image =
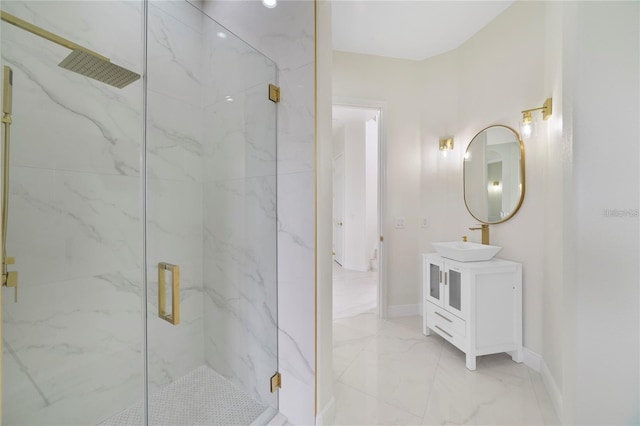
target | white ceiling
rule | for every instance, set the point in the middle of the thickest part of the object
(413, 30)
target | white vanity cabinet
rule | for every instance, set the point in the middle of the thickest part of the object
(476, 306)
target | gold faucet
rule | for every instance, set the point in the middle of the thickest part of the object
(485, 232)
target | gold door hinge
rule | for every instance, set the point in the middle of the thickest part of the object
(276, 382)
(381, 239)
(274, 93)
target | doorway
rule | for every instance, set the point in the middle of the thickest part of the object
(356, 207)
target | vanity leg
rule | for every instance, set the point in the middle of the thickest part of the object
(471, 362)
(517, 355)
(425, 329)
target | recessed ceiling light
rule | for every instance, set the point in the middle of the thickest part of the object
(270, 3)
(221, 34)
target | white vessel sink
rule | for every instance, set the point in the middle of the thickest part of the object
(466, 251)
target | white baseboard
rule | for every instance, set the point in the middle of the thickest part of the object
(552, 388)
(327, 415)
(394, 311)
(532, 359)
(362, 267)
(535, 362)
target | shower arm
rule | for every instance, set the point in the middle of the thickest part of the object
(41, 32)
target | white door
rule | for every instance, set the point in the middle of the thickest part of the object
(338, 209)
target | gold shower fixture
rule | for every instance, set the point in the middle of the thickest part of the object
(9, 278)
(81, 60)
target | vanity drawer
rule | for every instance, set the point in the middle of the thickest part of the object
(445, 320)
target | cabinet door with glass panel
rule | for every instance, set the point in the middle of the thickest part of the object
(446, 284)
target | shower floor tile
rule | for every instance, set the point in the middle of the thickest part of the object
(202, 397)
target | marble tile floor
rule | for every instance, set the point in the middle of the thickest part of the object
(388, 373)
(354, 292)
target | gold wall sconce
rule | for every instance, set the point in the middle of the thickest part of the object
(527, 126)
(446, 145)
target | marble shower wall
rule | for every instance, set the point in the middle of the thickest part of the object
(72, 350)
(175, 185)
(212, 200)
(240, 251)
(286, 35)
(73, 344)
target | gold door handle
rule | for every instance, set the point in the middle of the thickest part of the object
(174, 316)
(10, 279)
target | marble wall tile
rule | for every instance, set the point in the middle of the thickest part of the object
(240, 137)
(174, 235)
(174, 60)
(296, 300)
(233, 65)
(285, 34)
(240, 282)
(74, 342)
(296, 147)
(64, 225)
(65, 121)
(182, 11)
(174, 138)
(111, 28)
(79, 194)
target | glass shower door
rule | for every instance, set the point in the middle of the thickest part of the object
(72, 341)
(211, 223)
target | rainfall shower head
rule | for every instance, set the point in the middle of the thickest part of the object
(81, 60)
(99, 69)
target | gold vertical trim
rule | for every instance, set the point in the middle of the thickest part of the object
(2, 235)
(315, 148)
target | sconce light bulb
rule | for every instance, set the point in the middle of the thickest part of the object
(270, 3)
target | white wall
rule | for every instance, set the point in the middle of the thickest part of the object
(601, 81)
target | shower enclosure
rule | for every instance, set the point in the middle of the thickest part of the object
(142, 221)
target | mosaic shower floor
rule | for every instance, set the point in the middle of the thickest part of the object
(202, 397)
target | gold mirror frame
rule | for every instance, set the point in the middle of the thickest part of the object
(522, 176)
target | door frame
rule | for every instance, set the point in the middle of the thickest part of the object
(336, 249)
(381, 106)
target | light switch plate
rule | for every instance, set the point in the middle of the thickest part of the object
(400, 222)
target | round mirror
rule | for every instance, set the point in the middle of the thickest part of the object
(494, 174)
